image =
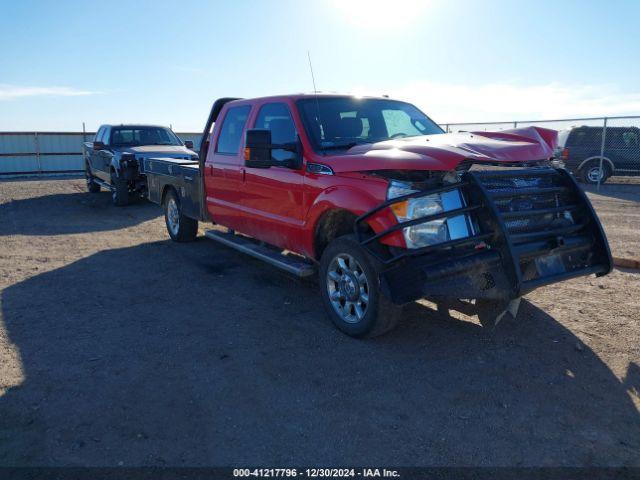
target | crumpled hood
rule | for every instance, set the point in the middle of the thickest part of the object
(172, 151)
(446, 151)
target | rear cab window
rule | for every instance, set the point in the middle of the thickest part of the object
(585, 137)
(631, 138)
(232, 129)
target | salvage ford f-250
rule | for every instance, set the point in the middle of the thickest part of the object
(388, 207)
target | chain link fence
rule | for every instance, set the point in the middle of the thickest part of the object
(596, 150)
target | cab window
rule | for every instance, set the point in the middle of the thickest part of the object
(106, 133)
(232, 129)
(98, 137)
(277, 118)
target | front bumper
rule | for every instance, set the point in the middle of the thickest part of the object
(533, 227)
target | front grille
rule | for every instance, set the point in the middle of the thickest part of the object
(532, 204)
(549, 227)
(531, 227)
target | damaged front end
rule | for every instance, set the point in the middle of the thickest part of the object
(500, 234)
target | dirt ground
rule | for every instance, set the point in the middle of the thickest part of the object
(120, 347)
(618, 206)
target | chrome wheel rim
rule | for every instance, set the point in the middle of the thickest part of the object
(594, 174)
(173, 216)
(348, 288)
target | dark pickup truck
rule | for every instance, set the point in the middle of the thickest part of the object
(114, 158)
(372, 196)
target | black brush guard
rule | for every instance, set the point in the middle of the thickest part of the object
(533, 227)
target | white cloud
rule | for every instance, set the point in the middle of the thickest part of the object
(508, 101)
(13, 92)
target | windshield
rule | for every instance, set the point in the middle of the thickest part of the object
(136, 136)
(342, 122)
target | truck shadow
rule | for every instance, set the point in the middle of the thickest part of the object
(206, 357)
(79, 212)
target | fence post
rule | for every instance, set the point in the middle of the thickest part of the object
(446, 129)
(36, 142)
(515, 124)
(604, 136)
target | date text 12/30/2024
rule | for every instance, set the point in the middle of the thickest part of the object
(316, 472)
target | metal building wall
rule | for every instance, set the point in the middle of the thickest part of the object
(23, 153)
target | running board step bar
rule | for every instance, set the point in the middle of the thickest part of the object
(102, 183)
(289, 263)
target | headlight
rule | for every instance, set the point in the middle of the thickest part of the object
(435, 231)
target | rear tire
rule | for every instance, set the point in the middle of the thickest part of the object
(180, 227)
(120, 192)
(590, 172)
(92, 186)
(350, 287)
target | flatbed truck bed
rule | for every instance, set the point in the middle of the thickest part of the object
(183, 175)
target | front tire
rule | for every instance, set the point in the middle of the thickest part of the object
(590, 172)
(180, 227)
(350, 286)
(120, 191)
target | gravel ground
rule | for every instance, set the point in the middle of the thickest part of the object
(119, 347)
(618, 206)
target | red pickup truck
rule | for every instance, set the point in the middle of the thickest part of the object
(374, 197)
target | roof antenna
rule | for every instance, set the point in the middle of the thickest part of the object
(315, 93)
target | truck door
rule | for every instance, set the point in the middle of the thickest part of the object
(92, 155)
(224, 168)
(97, 158)
(104, 156)
(272, 198)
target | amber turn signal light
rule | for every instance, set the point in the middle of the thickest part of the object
(400, 209)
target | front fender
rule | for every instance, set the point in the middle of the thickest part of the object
(356, 201)
(129, 173)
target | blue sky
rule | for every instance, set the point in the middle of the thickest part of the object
(65, 62)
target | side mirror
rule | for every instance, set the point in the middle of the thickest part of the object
(257, 151)
(188, 144)
(98, 145)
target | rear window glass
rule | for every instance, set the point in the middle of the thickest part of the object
(631, 139)
(585, 137)
(135, 136)
(232, 128)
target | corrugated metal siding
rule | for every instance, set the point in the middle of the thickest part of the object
(50, 152)
(194, 137)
